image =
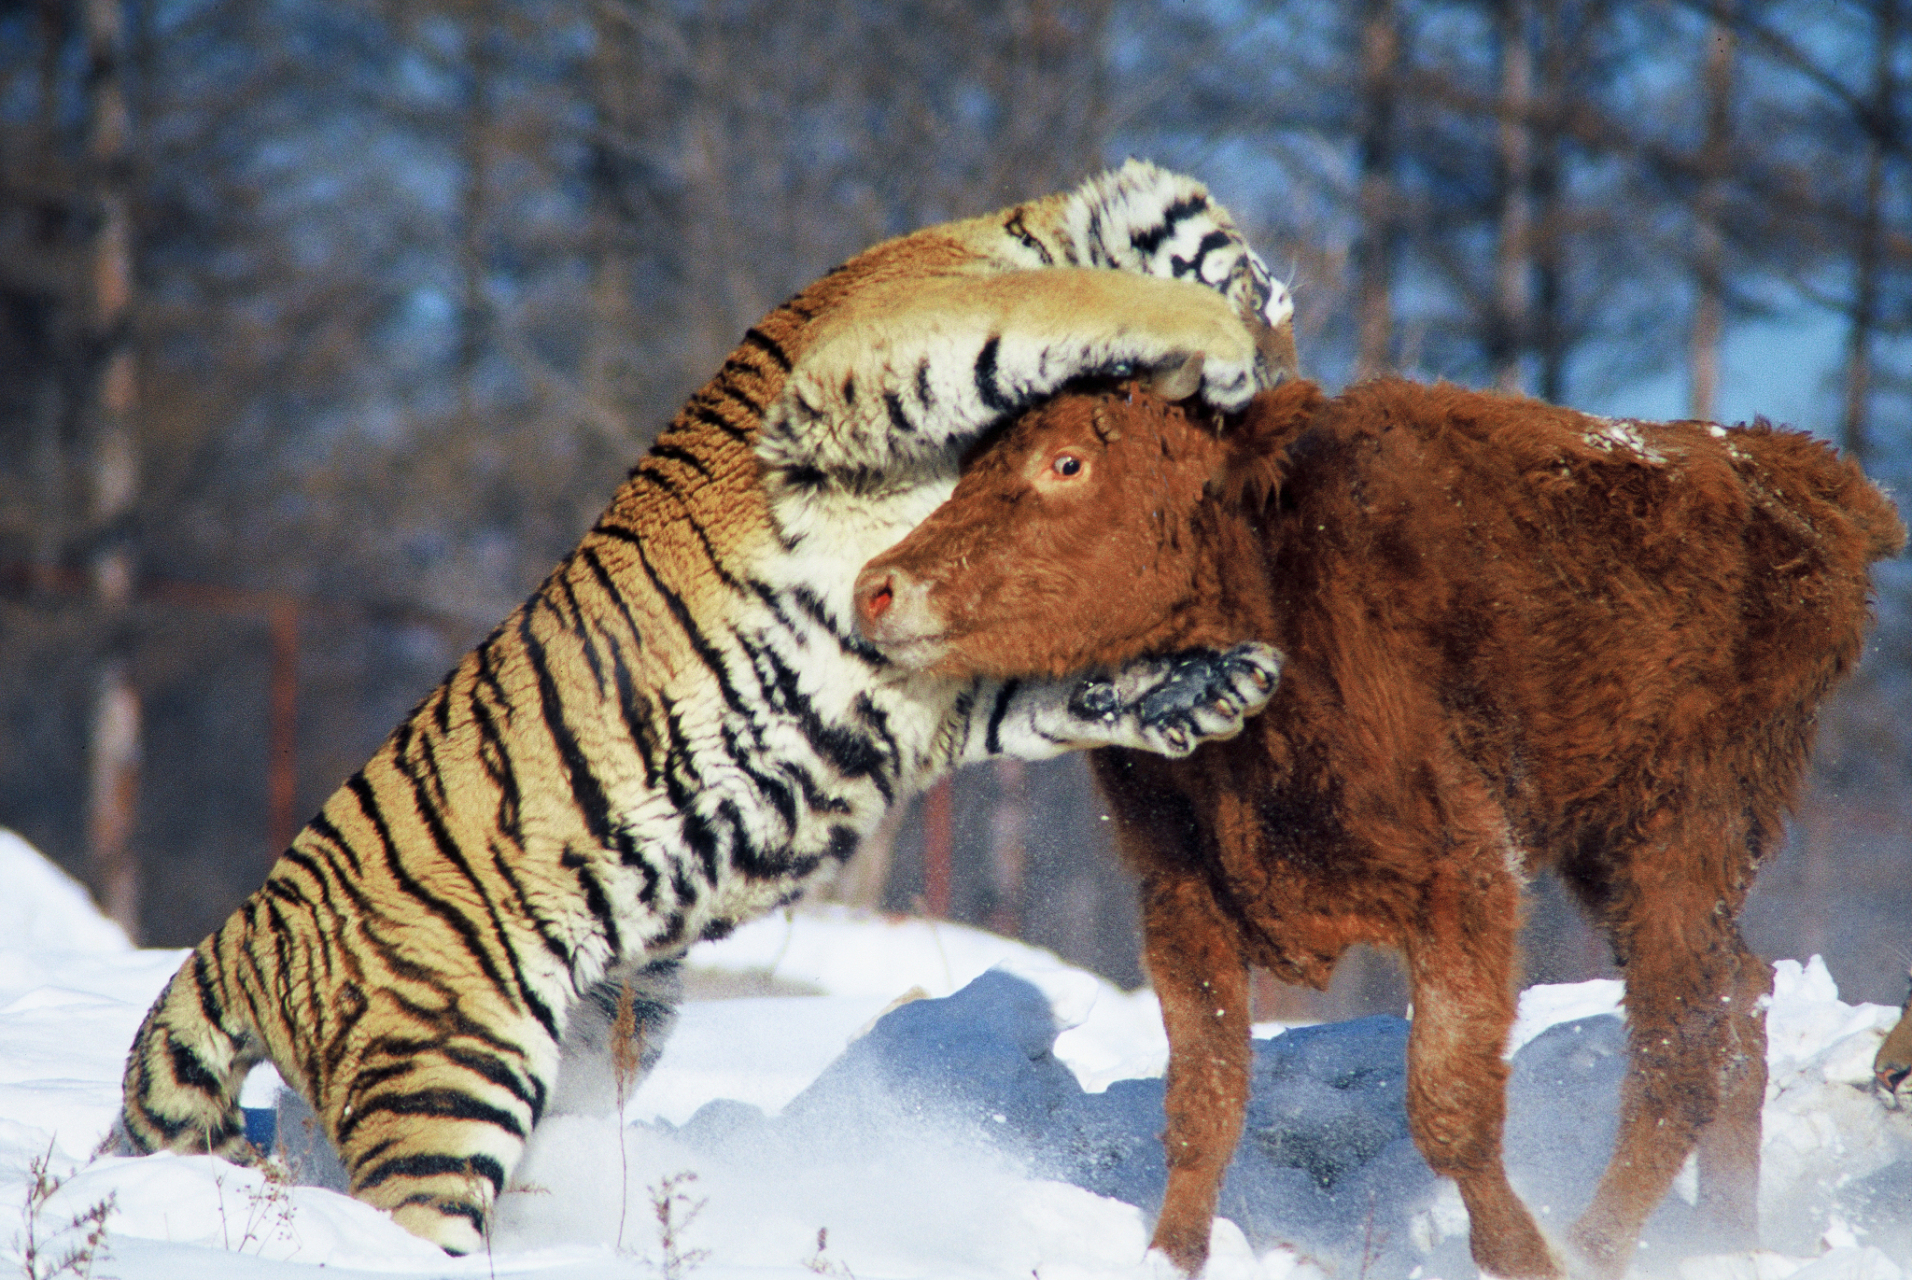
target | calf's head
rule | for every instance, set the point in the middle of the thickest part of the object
(1097, 528)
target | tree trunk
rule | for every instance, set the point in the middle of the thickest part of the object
(1508, 332)
(1868, 254)
(1375, 247)
(1709, 245)
(1008, 847)
(282, 766)
(50, 520)
(474, 203)
(939, 843)
(1547, 218)
(114, 473)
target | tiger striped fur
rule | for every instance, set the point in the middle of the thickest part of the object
(679, 728)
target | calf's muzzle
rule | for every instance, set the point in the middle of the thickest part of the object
(895, 612)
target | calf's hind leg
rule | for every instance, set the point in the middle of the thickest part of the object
(1696, 1071)
(1729, 1147)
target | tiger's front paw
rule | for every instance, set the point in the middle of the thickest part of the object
(1170, 706)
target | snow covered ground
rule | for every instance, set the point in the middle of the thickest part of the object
(958, 1136)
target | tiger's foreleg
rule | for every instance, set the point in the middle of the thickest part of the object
(430, 1113)
(915, 371)
(1167, 706)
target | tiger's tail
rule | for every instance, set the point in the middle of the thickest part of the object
(183, 1075)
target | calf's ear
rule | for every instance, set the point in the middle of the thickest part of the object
(1255, 443)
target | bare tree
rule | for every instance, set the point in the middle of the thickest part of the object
(1709, 236)
(113, 459)
(1882, 130)
(1372, 259)
(1508, 326)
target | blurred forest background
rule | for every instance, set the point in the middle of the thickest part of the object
(325, 329)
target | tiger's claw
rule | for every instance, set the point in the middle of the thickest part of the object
(1173, 705)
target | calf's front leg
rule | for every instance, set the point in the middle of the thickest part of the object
(1461, 962)
(1193, 956)
(1202, 982)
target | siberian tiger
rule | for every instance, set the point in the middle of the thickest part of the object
(680, 727)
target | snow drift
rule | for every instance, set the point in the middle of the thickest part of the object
(1003, 1122)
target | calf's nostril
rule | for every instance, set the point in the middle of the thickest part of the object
(875, 595)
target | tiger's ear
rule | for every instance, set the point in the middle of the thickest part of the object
(1251, 467)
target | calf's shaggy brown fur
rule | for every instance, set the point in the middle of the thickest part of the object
(1517, 637)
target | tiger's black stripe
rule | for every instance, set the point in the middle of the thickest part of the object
(685, 619)
(993, 737)
(416, 1166)
(857, 647)
(1149, 239)
(448, 1103)
(773, 603)
(708, 415)
(322, 827)
(594, 898)
(899, 420)
(578, 625)
(527, 908)
(877, 721)
(1019, 229)
(986, 386)
(846, 751)
(665, 451)
(757, 338)
(489, 1068)
(770, 787)
(1193, 266)
(703, 539)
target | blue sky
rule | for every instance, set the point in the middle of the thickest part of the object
(1787, 369)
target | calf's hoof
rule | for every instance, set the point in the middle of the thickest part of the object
(1516, 1250)
(1157, 1265)
(1176, 1255)
(1596, 1255)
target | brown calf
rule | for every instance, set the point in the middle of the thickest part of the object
(1517, 637)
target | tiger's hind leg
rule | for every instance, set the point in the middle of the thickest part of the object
(192, 1053)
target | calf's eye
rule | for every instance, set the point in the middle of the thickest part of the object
(1066, 465)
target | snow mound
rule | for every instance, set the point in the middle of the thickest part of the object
(45, 909)
(1005, 1122)
(1107, 1034)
